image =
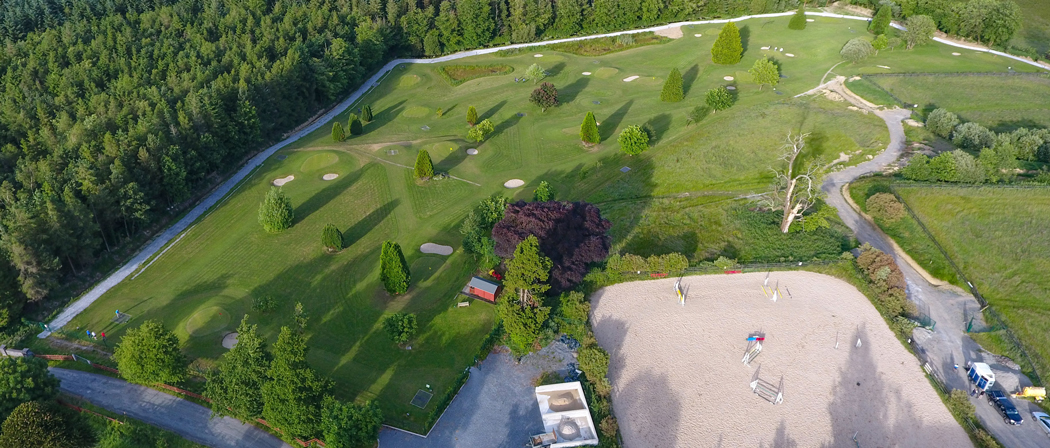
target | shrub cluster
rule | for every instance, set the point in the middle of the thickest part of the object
(672, 263)
(886, 207)
(887, 281)
(400, 326)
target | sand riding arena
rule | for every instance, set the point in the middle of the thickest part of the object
(679, 377)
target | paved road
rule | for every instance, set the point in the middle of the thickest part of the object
(185, 418)
(949, 345)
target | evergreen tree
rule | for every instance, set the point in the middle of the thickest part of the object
(589, 130)
(544, 192)
(275, 212)
(765, 72)
(337, 132)
(881, 21)
(728, 48)
(476, 20)
(633, 140)
(350, 425)
(798, 21)
(522, 323)
(235, 385)
(24, 379)
(393, 269)
(150, 354)
(46, 424)
(331, 238)
(568, 19)
(366, 113)
(672, 91)
(292, 397)
(432, 43)
(472, 116)
(355, 126)
(528, 270)
(880, 43)
(424, 169)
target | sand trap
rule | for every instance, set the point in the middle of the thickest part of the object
(514, 183)
(727, 78)
(229, 340)
(537, 55)
(956, 54)
(431, 248)
(883, 66)
(765, 48)
(678, 379)
(697, 35)
(730, 87)
(281, 181)
(330, 176)
(586, 73)
(630, 78)
(789, 55)
(810, 20)
(673, 32)
(472, 151)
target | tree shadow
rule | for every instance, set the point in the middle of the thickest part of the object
(745, 36)
(369, 222)
(689, 77)
(1013, 125)
(450, 108)
(608, 126)
(555, 69)
(380, 119)
(451, 160)
(572, 91)
(659, 124)
(503, 126)
(492, 111)
(781, 438)
(326, 195)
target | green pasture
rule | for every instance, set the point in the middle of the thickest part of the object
(1001, 103)
(1035, 26)
(683, 195)
(999, 237)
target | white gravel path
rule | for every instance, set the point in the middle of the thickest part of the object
(163, 238)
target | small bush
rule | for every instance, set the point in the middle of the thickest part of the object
(544, 192)
(698, 114)
(400, 326)
(624, 40)
(719, 98)
(886, 206)
(264, 304)
(609, 427)
(724, 263)
(959, 404)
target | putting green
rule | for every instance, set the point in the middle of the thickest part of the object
(408, 81)
(318, 161)
(207, 321)
(605, 72)
(416, 112)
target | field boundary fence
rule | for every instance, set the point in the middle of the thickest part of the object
(999, 322)
(955, 74)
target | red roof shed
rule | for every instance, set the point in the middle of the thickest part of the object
(483, 289)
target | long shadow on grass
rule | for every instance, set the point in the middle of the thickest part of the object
(383, 117)
(608, 126)
(1013, 125)
(323, 197)
(369, 222)
(492, 110)
(659, 124)
(555, 70)
(689, 77)
(504, 125)
(745, 36)
(572, 91)
(452, 160)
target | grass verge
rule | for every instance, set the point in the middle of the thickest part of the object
(459, 74)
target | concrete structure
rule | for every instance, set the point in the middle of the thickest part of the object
(565, 417)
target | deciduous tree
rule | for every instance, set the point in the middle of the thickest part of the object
(350, 425)
(45, 424)
(919, 31)
(880, 43)
(393, 269)
(545, 96)
(535, 73)
(150, 354)
(400, 326)
(719, 98)
(275, 212)
(235, 385)
(544, 192)
(633, 140)
(24, 379)
(942, 122)
(728, 48)
(797, 186)
(856, 50)
(522, 323)
(480, 131)
(765, 72)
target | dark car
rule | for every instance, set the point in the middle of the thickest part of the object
(1001, 401)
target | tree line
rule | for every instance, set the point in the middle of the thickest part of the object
(991, 22)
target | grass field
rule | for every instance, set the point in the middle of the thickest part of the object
(1002, 103)
(1035, 26)
(679, 195)
(1000, 238)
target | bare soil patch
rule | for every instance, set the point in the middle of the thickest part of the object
(673, 33)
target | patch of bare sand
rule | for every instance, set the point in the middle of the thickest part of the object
(678, 379)
(673, 32)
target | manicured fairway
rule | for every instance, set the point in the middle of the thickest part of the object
(676, 196)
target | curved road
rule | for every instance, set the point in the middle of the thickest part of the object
(949, 345)
(183, 417)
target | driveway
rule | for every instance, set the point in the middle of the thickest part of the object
(185, 418)
(495, 408)
(948, 345)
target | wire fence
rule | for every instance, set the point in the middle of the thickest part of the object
(991, 312)
(952, 74)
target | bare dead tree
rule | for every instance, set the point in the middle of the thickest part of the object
(795, 188)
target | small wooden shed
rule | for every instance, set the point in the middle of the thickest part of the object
(483, 289)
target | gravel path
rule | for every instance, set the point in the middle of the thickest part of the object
(496, 408)
(185, 418)
(948, 306)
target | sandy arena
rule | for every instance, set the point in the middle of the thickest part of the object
(678, 379)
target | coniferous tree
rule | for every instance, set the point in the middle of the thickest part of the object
(393, 269)
(544, 192)
(294, 392)
(589, 130)
(424, 168)
(150, 354)
(46, 424)
(881, 21)
(355, 126)
(672, 91)
(798, 21)
(528, 270)
(337, 132)
(275, 212)
(235, 385)
(366, 113)
(24, 379)
(728, 48)
(472, 116)
(331, 238)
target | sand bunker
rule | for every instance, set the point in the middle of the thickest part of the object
(586, 73)
(630, 78)
(956, 54)
(678, 379)
(537, 55)
(281, 181)
(697, 35)
(789, 55)
(514, 183)
(330, 176)
(810, 20)
(673, 32)
(229, 340)
(727, 78)
(472, 151)
(431, 248)
(765, 48)
(883, 66)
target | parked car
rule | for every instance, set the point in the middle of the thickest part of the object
(1042, 420)
(1001, 401)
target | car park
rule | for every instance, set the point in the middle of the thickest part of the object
(1002, 402)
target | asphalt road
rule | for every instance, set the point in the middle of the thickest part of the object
(185, 418)
(950, 307)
